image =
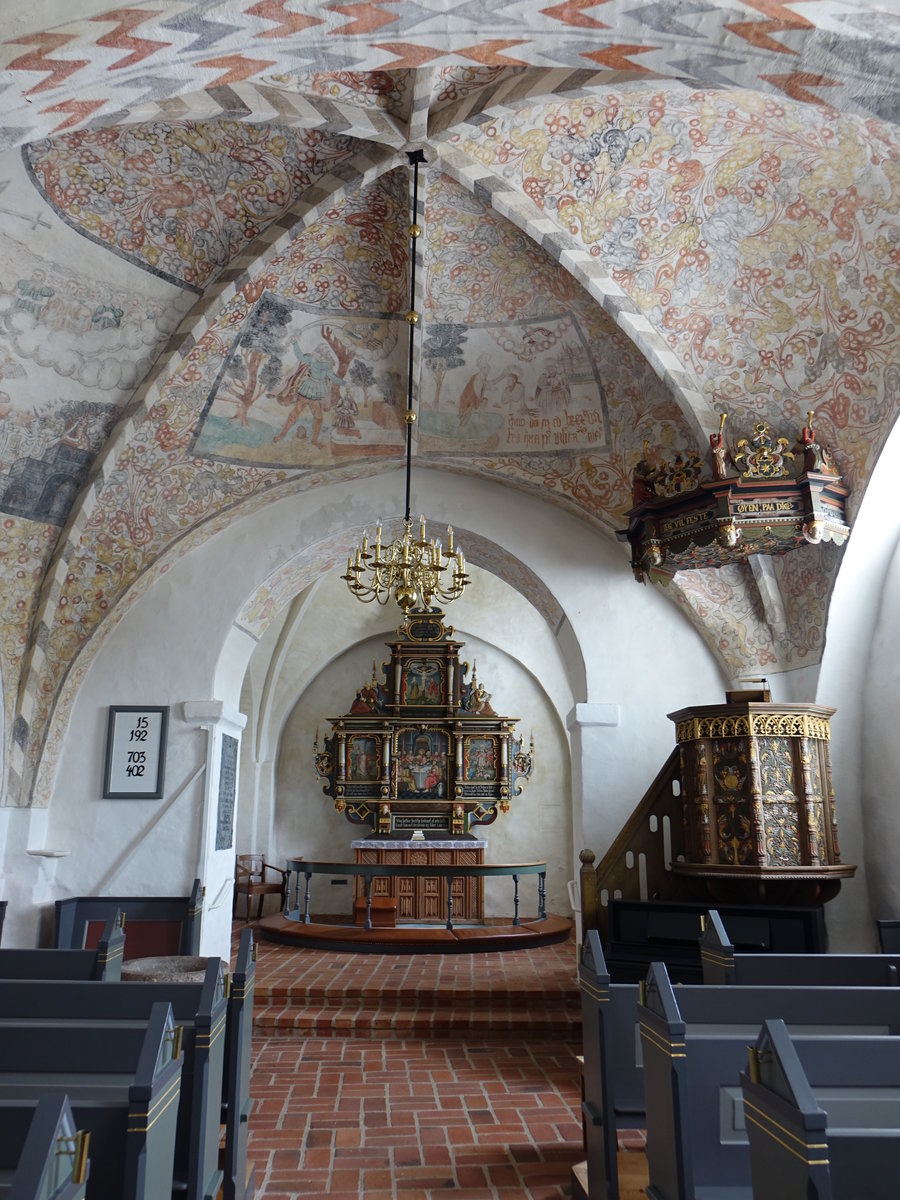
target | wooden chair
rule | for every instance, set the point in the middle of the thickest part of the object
(250, 880)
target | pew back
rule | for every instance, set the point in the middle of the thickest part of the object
(722, 965)
(123, 1085)
(155, 925)
(200, 1009)
(694, 1048)
(102, 963)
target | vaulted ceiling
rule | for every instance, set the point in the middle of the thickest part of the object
(635, 216)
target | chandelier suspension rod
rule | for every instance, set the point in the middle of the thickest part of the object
(415, 157)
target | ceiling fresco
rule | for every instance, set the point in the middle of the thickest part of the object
(205, 278)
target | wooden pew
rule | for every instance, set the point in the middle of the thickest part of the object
(236, 1103)
(613, 1056)
(613, 1081)
(156, 925)
(122, 1082)
(200, 1009)
(822, 1128)
(722, 965)
(3, 904)
(102, 963)
(43, 1156)
(888, 936)
(694, 1042)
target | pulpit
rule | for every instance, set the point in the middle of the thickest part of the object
(758, 807)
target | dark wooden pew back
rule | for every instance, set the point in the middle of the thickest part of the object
(826, 1127)
(154, 925)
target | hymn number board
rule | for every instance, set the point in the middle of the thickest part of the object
(421, 747)
(135, 753)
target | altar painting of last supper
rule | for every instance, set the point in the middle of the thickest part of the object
(423, 759)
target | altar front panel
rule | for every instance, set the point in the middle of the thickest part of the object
(424, 898)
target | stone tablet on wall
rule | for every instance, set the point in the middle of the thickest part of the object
(227, 793)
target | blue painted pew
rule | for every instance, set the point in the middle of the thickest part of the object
(123, 1083)
(43, 1156)
(3, 904)
(694, 1051)
(199, 1008)
(102, 963)
(722, 965)
(613, 1054)
(154, 925)
(822, 1128)
(238, 1184)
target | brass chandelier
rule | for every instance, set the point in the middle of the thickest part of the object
(412, 571)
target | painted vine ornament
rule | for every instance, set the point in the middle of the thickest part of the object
(421, 747)
(767, 495)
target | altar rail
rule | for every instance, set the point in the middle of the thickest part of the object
(369, 871)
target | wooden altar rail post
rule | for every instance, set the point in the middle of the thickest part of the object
(301, 866)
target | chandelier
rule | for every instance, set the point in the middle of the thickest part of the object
(412, 571)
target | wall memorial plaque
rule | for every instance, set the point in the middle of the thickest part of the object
(227, 793)
(135, 753)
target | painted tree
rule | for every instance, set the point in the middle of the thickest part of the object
(443, 351)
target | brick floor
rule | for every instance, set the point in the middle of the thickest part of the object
(488, 1107)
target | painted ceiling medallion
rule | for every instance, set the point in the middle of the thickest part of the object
(782, 498)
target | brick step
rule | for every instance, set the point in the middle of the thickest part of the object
(422, 1020)
(330, 995)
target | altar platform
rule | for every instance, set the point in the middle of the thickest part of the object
(494, 934)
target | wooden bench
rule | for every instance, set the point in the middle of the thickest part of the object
(123, 1084)
(613, 1088)
(154, 925)
(888, 936)
(645, 931)
(822, 1126)
(102, 963)
(722, 965)
(43, 1156)
(239, 1183)
(613, 1054)
(3, 904)
(200, 1009)
(694, 1047)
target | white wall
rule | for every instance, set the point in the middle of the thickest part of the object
(639, 655)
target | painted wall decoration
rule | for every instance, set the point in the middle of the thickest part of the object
(755, 235)
(293, 390)
(179, 200)
(736, 223)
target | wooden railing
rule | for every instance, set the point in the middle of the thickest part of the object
(637, 864)
(297, 908)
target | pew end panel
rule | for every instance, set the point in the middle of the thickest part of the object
(599, 1125)
(822, 1124)
(716, 951)
(43, 1155)
(236, 1102)
(123, 1082)
(888, 935)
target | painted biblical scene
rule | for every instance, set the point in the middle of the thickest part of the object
(518, 387)
(480, 759)
(363, 758)
(299, 387)
(422, 682)
(422, 764)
